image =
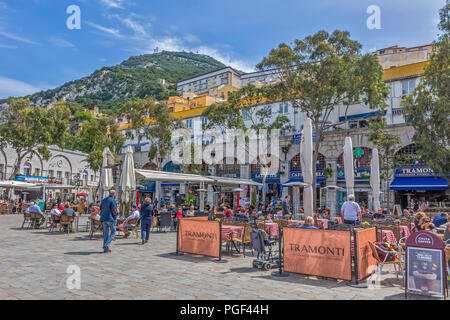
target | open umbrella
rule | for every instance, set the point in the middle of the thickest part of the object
(306, 158)
(82, 194)
(127, 177)
(375, 179)
(348, 165)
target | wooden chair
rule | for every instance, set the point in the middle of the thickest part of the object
(382, 262)
(133, 226)
(96, 225)
(54, 220)
(246, 238)
(36, 220)
(26, 219)
(66, 222)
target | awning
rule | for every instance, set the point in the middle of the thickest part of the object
(170, 176)
(225, 181)
(16, 184)
(363, 115)
(423, 183)
(294, 183)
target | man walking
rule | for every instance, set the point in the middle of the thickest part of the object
(350, 210)
(108, 216)
(286, 205)
(146, 219)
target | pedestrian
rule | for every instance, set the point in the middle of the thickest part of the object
(350, 210)
(286, 205)
(146, 219)
(108, 218)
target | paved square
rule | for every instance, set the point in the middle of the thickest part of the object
(33, 265)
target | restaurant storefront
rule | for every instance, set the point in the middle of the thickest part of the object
(419, 183)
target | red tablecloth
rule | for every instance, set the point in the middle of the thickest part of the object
(236, 230)
(339, 220)
(322, 223)
(404, 231)
(295, 222)
(388, 236)
(272, 228)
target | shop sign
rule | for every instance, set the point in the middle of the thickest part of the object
(414, 172)
(298, 174)
(270, 178)
(31, 179)
(362, 174)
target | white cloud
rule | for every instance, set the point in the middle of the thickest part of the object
(15, 37)
(108, 31)
(11, 87)
(6, 46)
(115, 4)
(59, 42)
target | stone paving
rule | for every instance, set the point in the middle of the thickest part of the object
(33, 265)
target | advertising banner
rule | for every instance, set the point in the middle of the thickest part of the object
(366, 262)
(324, 253)
(199, 236)
(425, 263)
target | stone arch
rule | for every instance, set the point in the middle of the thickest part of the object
(4, 162)
(407, 155)
(35, 161)
(56, 163)
(150, 166)
(362, 163)
(295, 162)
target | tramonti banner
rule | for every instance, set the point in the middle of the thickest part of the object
(324, 253)
(366, 262)
(199, 236)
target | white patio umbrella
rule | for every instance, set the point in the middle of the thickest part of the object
(107, 178)
(348, 165)
(375, 179)
(127, 176)
(306, 157)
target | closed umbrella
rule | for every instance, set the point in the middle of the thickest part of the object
(375, 179)
(348, 165)
(306, 157)
(127, 177)
(107, 178)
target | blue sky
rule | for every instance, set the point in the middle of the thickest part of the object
(38, 51)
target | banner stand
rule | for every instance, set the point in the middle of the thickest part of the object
(280, 272)
(178, 253)
(220, 247)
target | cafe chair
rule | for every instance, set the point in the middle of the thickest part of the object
(381, 262)
(27, 219)
(96, 226)
(133, 227)
(66, 223)
(246, 238)
(53, 223)
(165, 221)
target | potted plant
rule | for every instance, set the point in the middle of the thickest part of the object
(327, 172)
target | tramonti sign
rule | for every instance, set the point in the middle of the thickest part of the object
(414, 172)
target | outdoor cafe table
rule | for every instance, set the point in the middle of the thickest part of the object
(404, 232)
(339, 220)
(322, 223)
(295, 223)
(236, 232)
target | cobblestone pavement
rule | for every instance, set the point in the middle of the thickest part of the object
(33, 265)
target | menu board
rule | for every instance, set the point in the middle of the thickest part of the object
(424, 270)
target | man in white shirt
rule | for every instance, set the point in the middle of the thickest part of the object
(134, 215)
(350, 210)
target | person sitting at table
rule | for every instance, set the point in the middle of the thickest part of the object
(228, 213)
(255, 216)
(134, 215)
(242, 216)
(95, 212)
(55, 213)
(426, 224)
(269, 218)
(190, 212)
(405, 213)
(34, 208)
(179, 214)
(68, 211)
(309, 224)
(417, 218)
(440, 220)
(379, 214)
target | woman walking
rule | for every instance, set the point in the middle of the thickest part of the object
(146, 219)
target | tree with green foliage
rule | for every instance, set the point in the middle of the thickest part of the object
(230, 115)
(29, 129)
(428, 107)
(321, 72)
